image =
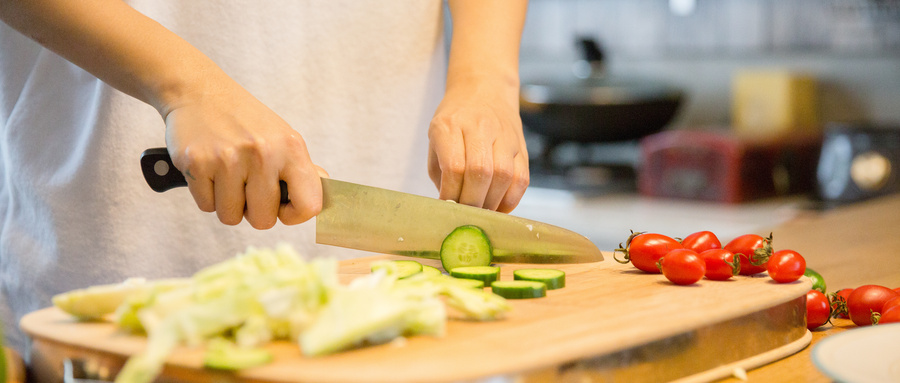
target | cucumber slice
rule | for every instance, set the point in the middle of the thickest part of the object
(486, 274)
(405, 269)
(430, 271)
(473, 283)
(466, 246)
(554, 279)
(519, 289)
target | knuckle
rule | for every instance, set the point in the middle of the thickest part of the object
(481, 170)
(504, 175)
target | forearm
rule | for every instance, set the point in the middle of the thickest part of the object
(485, 42)
(114, 42)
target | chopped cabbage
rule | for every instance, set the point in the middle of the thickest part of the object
(273, 294)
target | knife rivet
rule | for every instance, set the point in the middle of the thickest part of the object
(161, 168)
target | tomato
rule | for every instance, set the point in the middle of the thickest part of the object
(645, 250)
(683, 266)
(895, 301)
(720, 264)
(839, 303)
(890, 315)
(868, 299)
(701, 241)
(753, 251)
(818, 310)
(786, 266)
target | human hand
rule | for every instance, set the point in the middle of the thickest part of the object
(477, 153)
(233, 150)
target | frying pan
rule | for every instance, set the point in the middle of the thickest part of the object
(595, 107)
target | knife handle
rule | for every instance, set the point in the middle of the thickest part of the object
(161, 174)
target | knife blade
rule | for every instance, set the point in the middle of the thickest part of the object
(390, 222)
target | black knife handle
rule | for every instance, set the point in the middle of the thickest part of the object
(161, 174)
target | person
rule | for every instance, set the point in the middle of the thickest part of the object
(243, 94)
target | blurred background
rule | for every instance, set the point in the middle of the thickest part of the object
(725, 115)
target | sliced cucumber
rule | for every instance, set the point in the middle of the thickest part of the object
(486, 274)
(430, 271)
(519, 289)
(554, 279)
(473, 283)
(405, 269)
(466, 246)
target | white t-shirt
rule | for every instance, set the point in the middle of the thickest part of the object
(360, 81)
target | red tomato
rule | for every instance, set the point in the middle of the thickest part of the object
(720, 264)
(890, 315)
(839, 303)
(645, 250)
(868, 299)
(683, 266)
(818, 311)
(701, 241)
(786, 266)
(753, 251)
(895, 301)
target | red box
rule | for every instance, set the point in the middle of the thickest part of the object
(720, 166)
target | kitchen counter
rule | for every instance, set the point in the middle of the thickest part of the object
(850, 245)
(607, 219)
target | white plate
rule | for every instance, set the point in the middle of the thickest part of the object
(865, 354)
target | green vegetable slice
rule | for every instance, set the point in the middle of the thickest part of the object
(430, 271)
(817, 280)
(473, 283)
(466, 246)
(405, 269)
(554, 279)
(519, 289)
(224, 355)
(486, 274)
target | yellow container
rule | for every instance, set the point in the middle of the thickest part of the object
(773, 102)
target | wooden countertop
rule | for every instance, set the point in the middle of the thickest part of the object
(850, 246)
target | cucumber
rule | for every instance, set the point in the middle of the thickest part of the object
(473, 283)
(466, 246)
(430, 271)
(554, 279)
(486, 274)
(405, 269)
(519, 289)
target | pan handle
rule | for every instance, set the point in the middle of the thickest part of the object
(161, 174)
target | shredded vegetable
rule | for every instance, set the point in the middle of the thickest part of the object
(237, 306)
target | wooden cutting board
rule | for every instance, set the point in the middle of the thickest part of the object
(611, 322)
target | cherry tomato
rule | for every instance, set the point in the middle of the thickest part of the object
(645, 250)
(701, 241)
(868, 299)
(895, 301)
(683, 266)
(753, 251)
(720, 264)
(818, 311)
(890, 315)
(839, 303)
(786, 266)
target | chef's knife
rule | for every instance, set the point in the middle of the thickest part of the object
(389, 222)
